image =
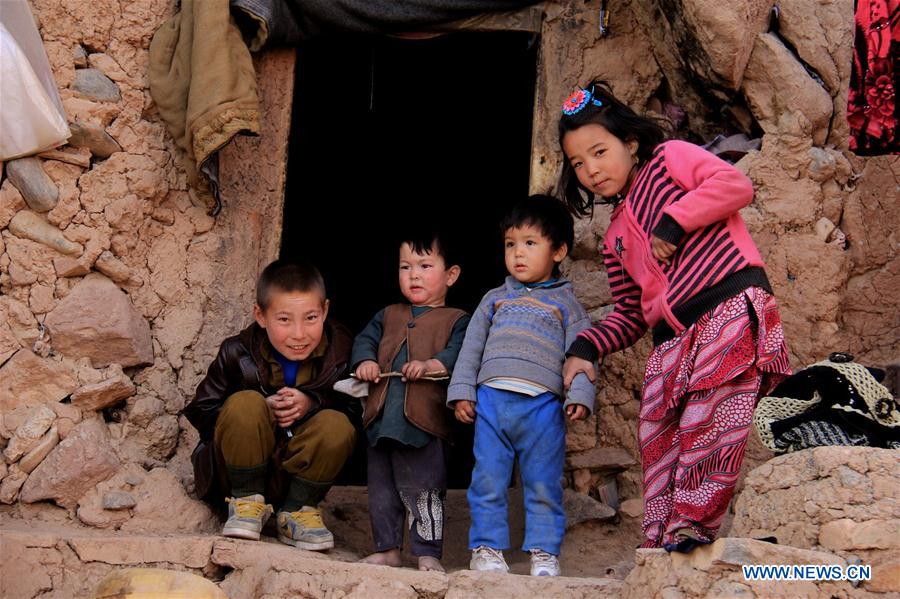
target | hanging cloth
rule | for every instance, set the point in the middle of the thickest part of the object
(872, 102)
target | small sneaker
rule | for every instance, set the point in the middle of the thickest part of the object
(304, 529)
(246, 517)
(487, 559)
(543, 563)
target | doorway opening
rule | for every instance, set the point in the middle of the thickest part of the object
(389, 132)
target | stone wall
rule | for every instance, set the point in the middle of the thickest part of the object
(117, 285)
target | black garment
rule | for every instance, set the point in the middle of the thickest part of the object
(288, 22)
(411, 480)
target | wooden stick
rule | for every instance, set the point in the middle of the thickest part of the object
(435, 375)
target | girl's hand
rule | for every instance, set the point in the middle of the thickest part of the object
(576, 412)
(662, 250)
(368, 371)
(575, 365)
(464, 410)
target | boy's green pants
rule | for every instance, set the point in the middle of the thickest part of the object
(245, 443)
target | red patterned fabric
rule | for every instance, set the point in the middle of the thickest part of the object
(700, 390)
(871, 103)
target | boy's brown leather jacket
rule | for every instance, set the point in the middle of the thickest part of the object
(240, 366)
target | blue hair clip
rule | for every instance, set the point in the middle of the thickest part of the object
(578, 100)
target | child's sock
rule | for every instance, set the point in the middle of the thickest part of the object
(248, 481)
(304, 492)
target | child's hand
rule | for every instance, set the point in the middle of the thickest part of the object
(576, 412)
(289, 405)
(368, 371)
(416, 369)
(575, 365)
(662, 250)
(464, 410)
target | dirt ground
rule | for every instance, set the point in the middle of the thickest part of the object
(590, 549)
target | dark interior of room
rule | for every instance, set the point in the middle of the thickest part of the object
(388, 133)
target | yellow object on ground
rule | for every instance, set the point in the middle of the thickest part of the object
(156, 583)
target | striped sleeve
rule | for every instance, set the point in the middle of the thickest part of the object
(715, 189)
(623, 326)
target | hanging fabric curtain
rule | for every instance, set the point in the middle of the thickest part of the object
(872, 110)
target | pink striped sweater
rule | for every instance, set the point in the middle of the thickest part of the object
(690, 198)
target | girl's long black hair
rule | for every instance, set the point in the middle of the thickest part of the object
(618, 119)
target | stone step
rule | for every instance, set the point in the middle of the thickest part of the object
(73, 562)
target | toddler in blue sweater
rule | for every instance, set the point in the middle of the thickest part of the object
(508, 381)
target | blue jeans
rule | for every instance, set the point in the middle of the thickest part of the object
(510, 425)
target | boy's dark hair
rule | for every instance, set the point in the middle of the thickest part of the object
(548, 215)
(618, 119)
(287, 276)
(423, 238)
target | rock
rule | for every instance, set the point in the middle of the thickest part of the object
(27, 381)
(36, 187)
(40, 451)
(98, 321)
(67, 410)
(590, 283)
(847, 535)
(3, 469)
(145, 409)
(78, 157)
(91, 84)
(822, 34)
(605, 459)
(64, 426)
(29, 434)
(84, 458)
(94, 138)
(29, 225)
(633, 508)
(79, 56)
(20, 320)
(132, 478)
(163, 506)
(11, 201)
(581, 480)
(118, 500)
(66, 266)
(843, 496)
(103, 394)
(155, 442)
(583, 508)
(776, 84)
(715, 571)
(115, 269)
(40, 299)
(11, 484)
(721, 37)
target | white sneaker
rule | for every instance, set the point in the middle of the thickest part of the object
(543, 563)
(487, 559)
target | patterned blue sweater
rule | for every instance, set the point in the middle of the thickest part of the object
(522, 333)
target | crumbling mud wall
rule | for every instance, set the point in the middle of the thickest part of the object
(117, 285)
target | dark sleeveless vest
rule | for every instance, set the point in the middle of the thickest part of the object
(424, 336)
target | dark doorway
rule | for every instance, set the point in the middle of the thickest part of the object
(389, 132)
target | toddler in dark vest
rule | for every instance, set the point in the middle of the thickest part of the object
(405, 417)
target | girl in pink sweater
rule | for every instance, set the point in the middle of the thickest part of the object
(680, 262)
